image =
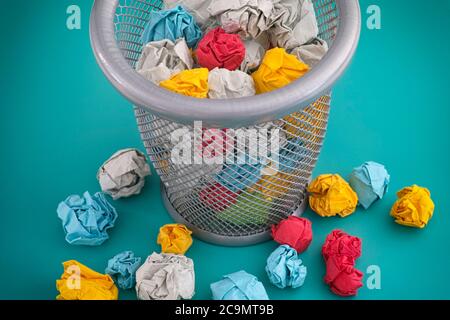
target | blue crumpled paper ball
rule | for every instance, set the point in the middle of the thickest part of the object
(285, 269)
(172, 24)
(86, 219)
(370, 181)
(123, 267)
(239, 286)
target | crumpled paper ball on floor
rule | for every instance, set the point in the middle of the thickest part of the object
(293, 231)
(340, 252)
(78, 282)
(123, 268)
(162, 59)
(192, 83)
(278, 69)
(370, 182)
(248, 18)
(123, 174)
(198, 9)
(414, 207)
(331, 195)
(255, 207)
(174, 238)
(165, 277)
(311, 53)
(171, 24)
(217, 197)
(342, 244)
(285, 269)
(226, 84)
(219, 49)
(86, 219)
(293, 23)
(239, 286)
(343, 278)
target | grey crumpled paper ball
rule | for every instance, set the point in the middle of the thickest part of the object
(124, 173)
(293, 23)
(249, 18)
(312, 52)
(224, 84)
(254, 53)
(161, 59)
(165, 277)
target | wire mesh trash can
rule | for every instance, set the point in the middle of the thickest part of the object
(227, 204)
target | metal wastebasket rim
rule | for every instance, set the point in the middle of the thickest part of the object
(231, 113)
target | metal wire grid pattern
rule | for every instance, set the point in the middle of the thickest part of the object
(259, 201)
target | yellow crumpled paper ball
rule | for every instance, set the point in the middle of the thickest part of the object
(277, 70)
(78, 282)
(330, 195)
(192, 83)
(174, 238)
(414, 207)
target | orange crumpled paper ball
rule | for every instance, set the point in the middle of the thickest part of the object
(174, 238)
(414, 207)
(331, 195)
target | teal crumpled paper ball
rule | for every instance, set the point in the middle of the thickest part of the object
(284, 268)
(239, 286)
(86, 219)
(172, 24)
(370, 181)
(123, 268)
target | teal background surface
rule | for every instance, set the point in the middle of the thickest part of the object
(60, 119)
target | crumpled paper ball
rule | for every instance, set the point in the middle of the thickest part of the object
(285, 269)
(162, 59)
(248, 18)
(123, 266)
(78, 282)
(236, 177)
(217, 197)
(165, 277)
(86, 219)
(192, 83)
(340, 252)
(370, 182)
(278, 69)
(344, 279)
(293, 231)
(330, 195)
(311, 53)
(414, 207)
(198, 9)
(174, 238)
(171, 24)
(219, 49)
(225, 84)
(123, 174)
(293, 23)
(254, 53)
(257, 210)
(342, 244)
(239, 286)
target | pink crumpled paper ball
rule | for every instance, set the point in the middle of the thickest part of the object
(293, 231)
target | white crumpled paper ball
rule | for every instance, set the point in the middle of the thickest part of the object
(225, 84)
(123, 174)
(165, 277)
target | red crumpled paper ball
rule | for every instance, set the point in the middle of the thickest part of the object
(342, 277)
(340, 252)
(218, 197)
(339, 242)
(294, 231)
(219, 49)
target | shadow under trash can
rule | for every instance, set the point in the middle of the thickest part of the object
(230, 202)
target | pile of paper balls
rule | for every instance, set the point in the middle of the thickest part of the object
(229, 49)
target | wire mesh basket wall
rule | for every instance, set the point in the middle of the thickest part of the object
(231, 204)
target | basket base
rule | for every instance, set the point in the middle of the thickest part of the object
(230, 241)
